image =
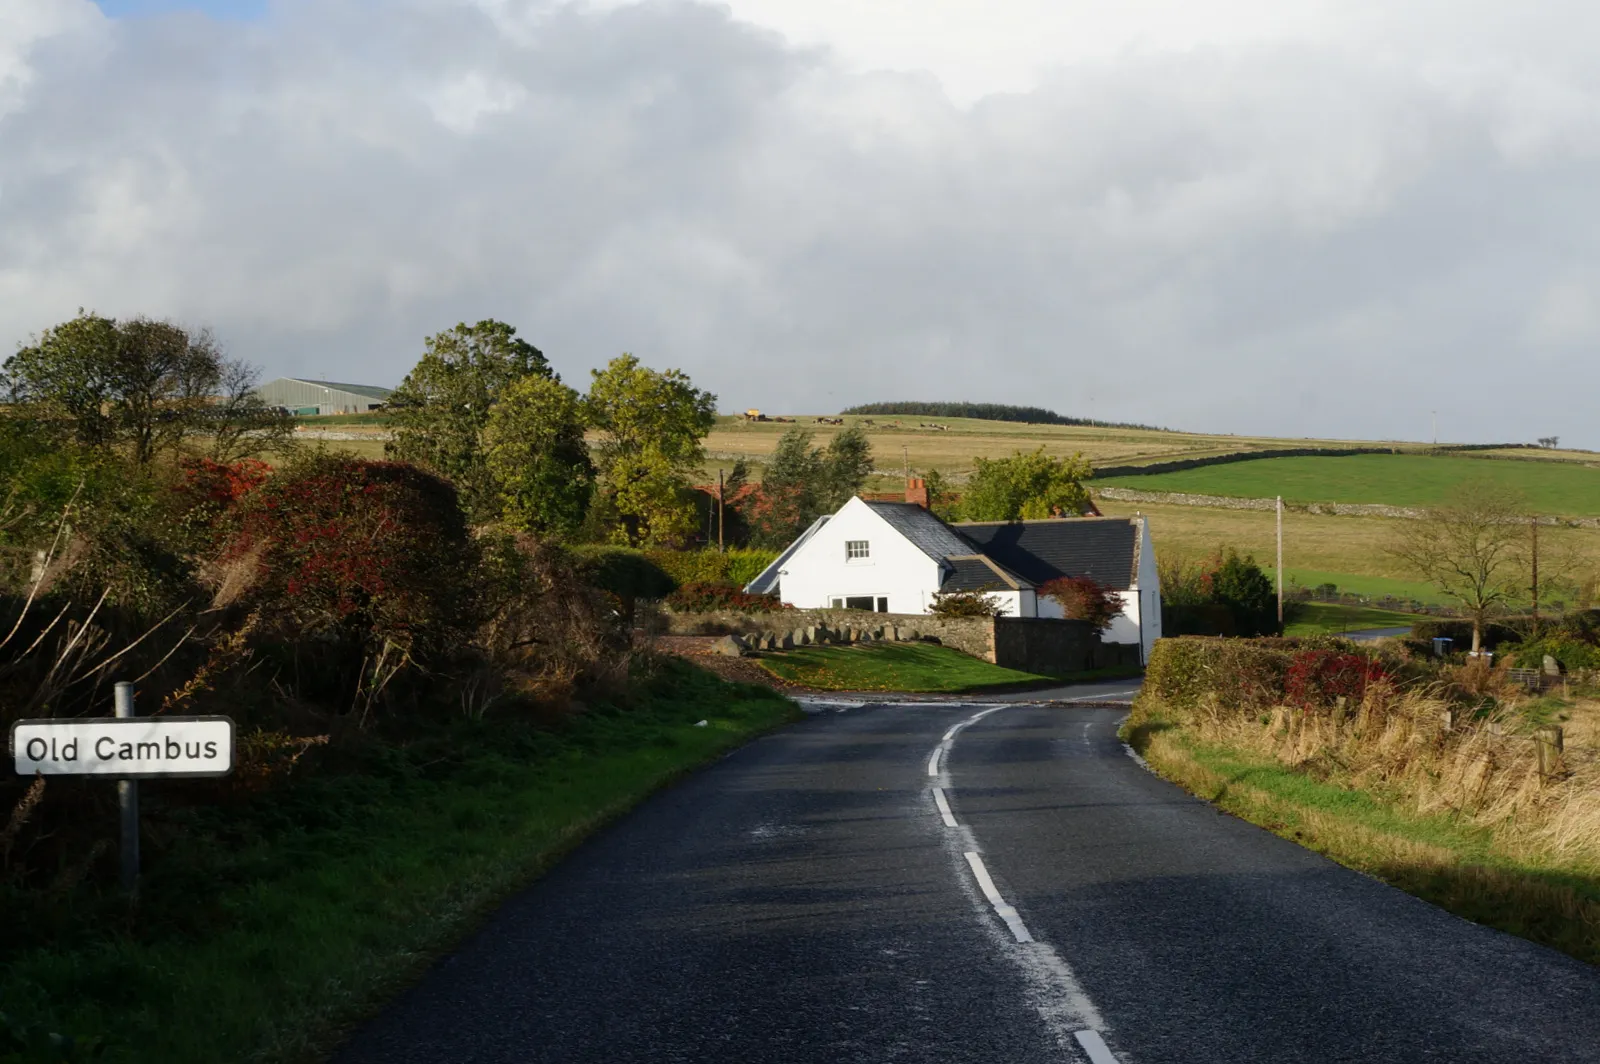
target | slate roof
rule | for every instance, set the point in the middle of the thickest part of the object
(977, 573)
(1104, 548)
(929, 534)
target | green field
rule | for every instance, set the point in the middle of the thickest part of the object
(1319, 618)
(1565, 488)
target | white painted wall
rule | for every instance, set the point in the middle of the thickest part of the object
(819, 572)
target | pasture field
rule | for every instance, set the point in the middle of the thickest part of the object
(1565, 488)
(1317, 548)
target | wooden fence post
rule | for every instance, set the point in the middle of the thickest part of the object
(1549, 742)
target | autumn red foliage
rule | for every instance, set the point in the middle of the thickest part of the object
(1084, 599)
(1320, 677)
(378, 547)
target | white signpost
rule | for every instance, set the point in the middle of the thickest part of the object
(127, 749)
(123, 748)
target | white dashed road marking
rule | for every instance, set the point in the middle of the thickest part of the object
(1053, 989)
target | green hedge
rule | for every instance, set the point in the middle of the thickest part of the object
(736, 568)
(1238, 672)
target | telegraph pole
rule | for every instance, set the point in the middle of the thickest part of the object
(720, 547)
(1533, 524)
(1280, 563)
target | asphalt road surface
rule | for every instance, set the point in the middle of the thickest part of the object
(972, 883)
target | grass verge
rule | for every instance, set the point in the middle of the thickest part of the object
(1317, 618)
(269, 927)
(1444, 859)
(923, 668)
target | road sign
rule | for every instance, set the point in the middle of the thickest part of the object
(124, 748)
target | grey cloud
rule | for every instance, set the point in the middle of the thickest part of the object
(1289, 239)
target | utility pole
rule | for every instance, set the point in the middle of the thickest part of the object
(720, 547)
(1280, 563)
(905, 453)
(1435, 428)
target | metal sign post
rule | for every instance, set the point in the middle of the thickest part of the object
(128, 804)
(124, 748)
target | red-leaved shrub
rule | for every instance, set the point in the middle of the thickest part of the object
(705, 598)
(379, 550)
(1083, 598)
(1319, 677)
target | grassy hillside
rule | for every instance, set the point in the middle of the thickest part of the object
(1554, 487)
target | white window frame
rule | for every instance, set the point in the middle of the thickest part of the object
(850, 555)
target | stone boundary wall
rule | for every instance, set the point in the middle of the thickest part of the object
(1177, 464)
(1339, 509)
(1026, 643)
(970, 635)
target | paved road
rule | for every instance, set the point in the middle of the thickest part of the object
(806, 899)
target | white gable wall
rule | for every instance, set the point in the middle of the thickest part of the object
(895, 569)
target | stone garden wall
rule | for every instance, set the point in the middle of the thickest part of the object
(1028, 644)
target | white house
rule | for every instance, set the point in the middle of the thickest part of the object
(893, 557)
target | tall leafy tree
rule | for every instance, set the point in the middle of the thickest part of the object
(652, 425)
(145, 386)
(442, 407)
(803, 482)
(1026, 486)
(534, 450)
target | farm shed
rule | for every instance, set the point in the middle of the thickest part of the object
(322, 397)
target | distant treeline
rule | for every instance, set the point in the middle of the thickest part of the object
(1031, 415)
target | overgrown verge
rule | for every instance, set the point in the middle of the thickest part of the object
(270, 921)
(1427, 777)
(910, 667)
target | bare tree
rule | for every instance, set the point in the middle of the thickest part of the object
(241, 424)
(1474, 549)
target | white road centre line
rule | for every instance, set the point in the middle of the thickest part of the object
(1053, 988)
(1019, 930)
(1095, 1046)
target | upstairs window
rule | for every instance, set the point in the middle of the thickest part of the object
(856, 549)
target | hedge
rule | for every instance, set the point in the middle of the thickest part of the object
(1461, 633)
(736, 568)
(1183, 670)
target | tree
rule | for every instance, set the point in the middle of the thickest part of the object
(942, 499)
(803, 482)
(1084, 599)
(1473, 548)
(1026, 486)
(145, 385)
(534, 452)
(441, 409)
(652, 425)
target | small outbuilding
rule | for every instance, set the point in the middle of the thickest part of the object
(308, 397)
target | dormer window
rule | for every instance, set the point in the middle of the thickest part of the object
(856, 550)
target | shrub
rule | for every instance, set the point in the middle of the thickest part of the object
(626, 574)
(373, 556)
(1084, 599)
(965, 604)
(1240, 674)
(1320, 677)
(1571, 653)
(1494, 635)
(736, 567)
(707, 598)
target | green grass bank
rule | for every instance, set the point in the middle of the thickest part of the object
(908, 667)
(266, 928)
(1319, 618)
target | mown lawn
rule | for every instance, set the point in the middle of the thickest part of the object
(912, 667)
(1563, 488)
(267, 927)
(1317, 618)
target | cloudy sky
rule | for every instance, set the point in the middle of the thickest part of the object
(1296, 217)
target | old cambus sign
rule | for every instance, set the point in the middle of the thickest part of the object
(124, 747)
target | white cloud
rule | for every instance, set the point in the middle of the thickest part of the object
(1290, 217)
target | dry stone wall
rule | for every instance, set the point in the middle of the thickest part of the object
(970, 635)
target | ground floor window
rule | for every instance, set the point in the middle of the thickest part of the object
(862, 602)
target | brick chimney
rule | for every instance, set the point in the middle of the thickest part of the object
(917, 491)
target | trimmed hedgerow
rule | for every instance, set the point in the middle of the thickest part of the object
(1321, 677)
(708, 598)
(1239, 673)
